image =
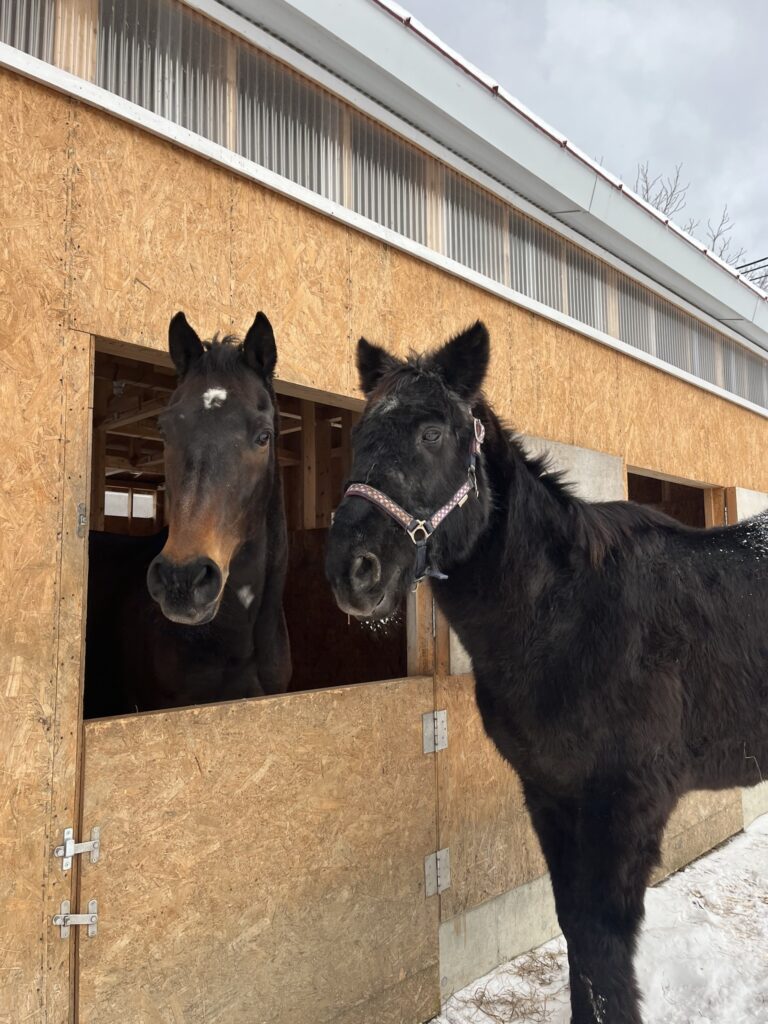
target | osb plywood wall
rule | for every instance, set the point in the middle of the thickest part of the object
(44, 373)
(306, 904)
(106, 230)
(156, 229)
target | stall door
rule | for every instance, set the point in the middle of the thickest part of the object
(263, 861)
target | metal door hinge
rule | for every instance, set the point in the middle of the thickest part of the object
(437, 872)
(434, 727)
(64, 920)
(70, 848)
(82, 519)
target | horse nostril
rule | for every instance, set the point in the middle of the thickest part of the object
(158, 577)
(366, 571)
(206, 583)
(200, 578)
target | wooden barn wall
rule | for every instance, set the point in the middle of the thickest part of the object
(44, 375)
(107, 230)
(155, 229)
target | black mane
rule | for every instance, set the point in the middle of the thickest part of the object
(221, 355)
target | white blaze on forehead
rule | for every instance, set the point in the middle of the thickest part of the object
(214, 397)
(246, 596)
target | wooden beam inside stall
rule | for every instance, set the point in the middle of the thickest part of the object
(309, 465)
(98, 457)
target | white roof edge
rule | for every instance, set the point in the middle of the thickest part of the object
(377, 47)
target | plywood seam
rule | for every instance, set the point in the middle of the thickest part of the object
(48, 838)
(232, 195)
(69, 243)
(48, 861)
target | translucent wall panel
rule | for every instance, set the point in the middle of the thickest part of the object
(388, 179)
(475, 229)
(288, 125)
(29, 26)
(161, 55)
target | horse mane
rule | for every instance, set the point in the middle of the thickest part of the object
(221, 354)
(598, 528)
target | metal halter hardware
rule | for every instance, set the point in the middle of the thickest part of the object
(420, 530)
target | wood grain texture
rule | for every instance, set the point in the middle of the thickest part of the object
(67, 708)
(263, 861)
(294, 264)
(482, 813)
(701, 820)
(33, 206)
(155, 229)
(151, 235)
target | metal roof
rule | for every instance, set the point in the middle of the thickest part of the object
(378, 48)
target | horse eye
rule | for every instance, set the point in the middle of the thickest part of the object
(263, 439)
(431, 435)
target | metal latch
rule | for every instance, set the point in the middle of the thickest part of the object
(434, 726)
(64, 920)
(82, 519)
(437, 872)
(70, 848)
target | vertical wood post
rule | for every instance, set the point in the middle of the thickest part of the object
(308, 465)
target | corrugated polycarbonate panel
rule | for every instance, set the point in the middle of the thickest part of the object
(173, 61)
(635, 315)
(28, 25)
(587, 288)
(388, 179)
(286, 124)
(475, 230)
(536, 259)
(161, 55)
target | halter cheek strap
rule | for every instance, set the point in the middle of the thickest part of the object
(420, 530)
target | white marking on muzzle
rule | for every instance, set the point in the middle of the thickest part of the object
(246, 596)
(214, 397)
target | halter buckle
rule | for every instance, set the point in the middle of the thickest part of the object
(419, 530)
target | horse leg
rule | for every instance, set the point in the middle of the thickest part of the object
(600, 854)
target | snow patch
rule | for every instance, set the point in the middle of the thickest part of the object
(703, 952)
(214, 397)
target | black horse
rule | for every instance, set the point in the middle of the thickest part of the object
(620, 658)
(195, 614)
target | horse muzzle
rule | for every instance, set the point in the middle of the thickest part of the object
(188, 594)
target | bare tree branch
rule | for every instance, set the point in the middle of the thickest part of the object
(669, 196)
(666, 194)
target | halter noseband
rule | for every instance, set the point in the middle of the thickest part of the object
(420, 530)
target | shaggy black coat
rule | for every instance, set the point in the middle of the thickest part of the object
(621, 658)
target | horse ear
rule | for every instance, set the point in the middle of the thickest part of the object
(183, 344)
(372, 363)
(463, 361)
(259, 348)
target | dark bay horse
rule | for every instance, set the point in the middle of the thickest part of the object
(195, 613)
(621, 658)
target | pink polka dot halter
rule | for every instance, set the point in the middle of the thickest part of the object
(420, 530)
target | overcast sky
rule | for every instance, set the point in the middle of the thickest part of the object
(679, 81)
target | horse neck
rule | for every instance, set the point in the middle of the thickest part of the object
(534, 521)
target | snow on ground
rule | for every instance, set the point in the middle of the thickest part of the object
(703, 955)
